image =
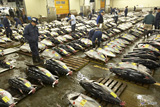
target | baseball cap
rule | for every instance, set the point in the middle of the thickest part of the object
(35, 20)
(69, 14)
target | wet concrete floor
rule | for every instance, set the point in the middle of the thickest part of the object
(133, 95)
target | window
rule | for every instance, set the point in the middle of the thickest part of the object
(62, 2)
(57, 2)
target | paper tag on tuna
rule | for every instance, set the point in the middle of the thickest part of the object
(100, 84)
(109, 44)
(65, 52)
(146, 46)
(1, 90)
(122, 44)
(65, 67)
(91, 50)
(48, 74)
(113, 94)
(102, 56)
(134, 64)
(7, 63)
(47, 50)
(76, 34)
(121, 63)
(5, 99)
(45, 36)
(83, 102)
(28, 84)
(56, 55)
(99, 48)
(157, 49)
(106, 46)
(43, 45)
(50, 42)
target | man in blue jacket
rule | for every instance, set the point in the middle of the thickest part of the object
(18, 21)
(95, 34)
(126, 11)
(157, 20)
(99, 21)
(6, 24)
(31, 34)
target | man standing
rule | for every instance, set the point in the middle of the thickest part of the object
(31, 34)
(157, 20)
(148, 21)
(18, 21)
(7, 24)
(134, 8)
(116, 15)
(95, 34)
(126, 11)
(100, 23)
(73, 21)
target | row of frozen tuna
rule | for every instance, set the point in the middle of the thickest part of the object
(96, 89)
(48, 75)
(114, 47)
(137, 65)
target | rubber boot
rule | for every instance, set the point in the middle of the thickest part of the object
(34, 59)
(98, 44)
(94, 45)
(39, 60)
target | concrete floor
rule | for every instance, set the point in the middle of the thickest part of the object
(133, 95)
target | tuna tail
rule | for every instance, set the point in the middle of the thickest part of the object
(122, 103)
(32, 91)
(54, 83)
(69, 73)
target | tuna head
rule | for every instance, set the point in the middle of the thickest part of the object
(6, 99)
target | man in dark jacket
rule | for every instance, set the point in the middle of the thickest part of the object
(126, 11)
(11, 13)
(18, 21)
(95, 34)
(157, 20)
(6, 24)
(149, 22)
(31, 34)
(99, 21)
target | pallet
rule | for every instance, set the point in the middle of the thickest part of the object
(98, 61)
(16, 93)
(10, 50)
(132, 82)
(116, 86)
(75, 63)
(10, 44)
(25, 53)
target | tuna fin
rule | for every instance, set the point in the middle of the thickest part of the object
(41, 82)
(21, 91)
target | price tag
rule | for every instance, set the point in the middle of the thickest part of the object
(48, 74)
(64, 67)
(56, 55)
(65, 52)
(146, 46)
(7, 63)
(102, 56)
(113, 94)
(83, 102)
(134, 64)
(5, 99)
(28, 84)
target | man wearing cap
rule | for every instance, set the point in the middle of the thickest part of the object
(149, 22)
(6, 24)
(99, 21)
(95, 34)
(31, 34)
(73, 21)
(157, 20)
